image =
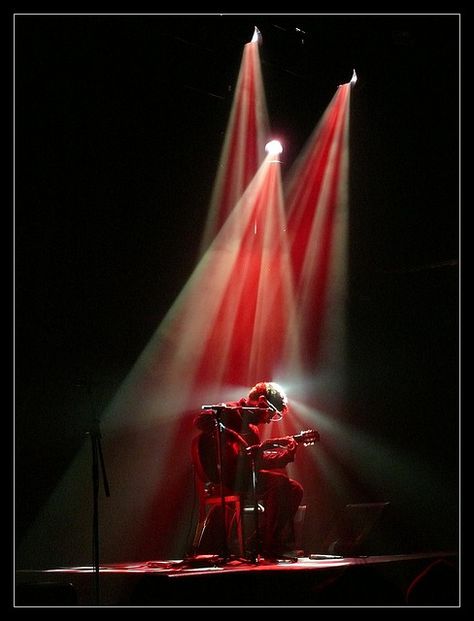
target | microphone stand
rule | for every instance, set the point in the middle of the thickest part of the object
(97, 464)
(255, 557)
(218, 432)
(253, 452)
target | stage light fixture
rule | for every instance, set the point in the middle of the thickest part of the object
(273, 147)
(257, 36)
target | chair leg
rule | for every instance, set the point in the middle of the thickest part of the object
(233, 517)
(201, 525)
(201, 528)
(236, 518)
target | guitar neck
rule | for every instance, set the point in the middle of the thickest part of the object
(303, 437)
(281, 442)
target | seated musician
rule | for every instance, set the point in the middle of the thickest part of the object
(239, 422)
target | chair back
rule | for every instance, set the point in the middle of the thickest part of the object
(205, 487)
(196, 457)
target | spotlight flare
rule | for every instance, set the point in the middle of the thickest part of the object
(274, 147)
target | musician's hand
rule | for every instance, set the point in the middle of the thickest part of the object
(292, 446)
(286, 442)
(252, 450)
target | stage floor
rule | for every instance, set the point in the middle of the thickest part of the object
(207, 581)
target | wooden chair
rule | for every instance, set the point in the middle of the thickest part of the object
(209, 533)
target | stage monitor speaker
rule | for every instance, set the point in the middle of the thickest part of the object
(349, 532)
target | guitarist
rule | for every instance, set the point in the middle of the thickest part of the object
(240, 422)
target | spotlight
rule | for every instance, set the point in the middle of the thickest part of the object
(354, 77)
(273, 147)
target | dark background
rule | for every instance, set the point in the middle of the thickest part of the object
(119, 123)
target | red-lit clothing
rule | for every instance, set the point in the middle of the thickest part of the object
(281, 496)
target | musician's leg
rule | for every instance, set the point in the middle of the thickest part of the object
(295, 496)
(282, 497)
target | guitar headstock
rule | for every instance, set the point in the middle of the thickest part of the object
(307, 437)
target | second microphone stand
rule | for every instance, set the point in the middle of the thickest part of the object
(98, 466)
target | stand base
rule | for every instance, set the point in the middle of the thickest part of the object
(212, 560)
(202, 561)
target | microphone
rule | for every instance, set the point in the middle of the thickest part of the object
(218, 406)
(224, 406)
(277, 415)
(268, 405)
(264, 405)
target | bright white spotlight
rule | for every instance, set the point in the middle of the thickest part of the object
(354, 77)
(273, 147)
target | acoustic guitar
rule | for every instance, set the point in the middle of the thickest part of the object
(235, 454)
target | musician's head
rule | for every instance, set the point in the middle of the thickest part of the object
(274, 394)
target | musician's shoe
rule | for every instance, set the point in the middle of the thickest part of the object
(287, 558)
(297, 553)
